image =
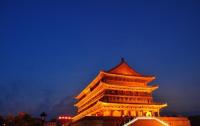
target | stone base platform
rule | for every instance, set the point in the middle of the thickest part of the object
(119, 121)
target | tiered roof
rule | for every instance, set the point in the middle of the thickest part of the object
(121, 70)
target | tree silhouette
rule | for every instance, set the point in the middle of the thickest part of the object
(25, 120)
(2, 121)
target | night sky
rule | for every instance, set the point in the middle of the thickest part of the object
(50, 50)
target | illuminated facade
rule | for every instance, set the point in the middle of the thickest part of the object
(118, 92)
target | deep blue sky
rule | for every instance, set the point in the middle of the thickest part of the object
(50, 50)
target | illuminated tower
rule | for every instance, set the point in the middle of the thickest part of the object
(118, 92)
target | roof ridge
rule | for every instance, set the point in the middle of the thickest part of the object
(124, 69)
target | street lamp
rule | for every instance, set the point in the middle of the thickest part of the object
(43, 116)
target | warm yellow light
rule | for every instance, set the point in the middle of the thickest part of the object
(148, 114)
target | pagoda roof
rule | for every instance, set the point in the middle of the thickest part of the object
(123, 69)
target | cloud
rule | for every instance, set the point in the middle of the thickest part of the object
(27, 96)
(64, 107)
(14, 95)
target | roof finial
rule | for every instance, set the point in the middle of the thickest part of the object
(122, 59)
